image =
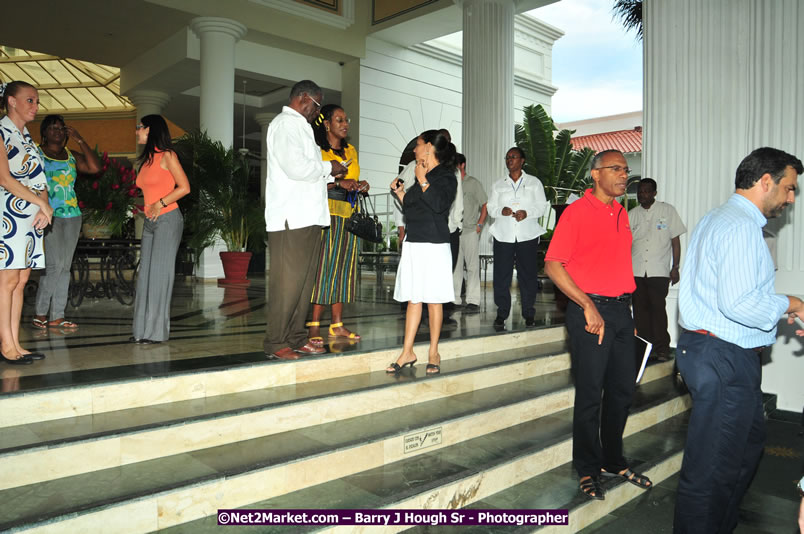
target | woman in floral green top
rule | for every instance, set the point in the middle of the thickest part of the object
(61, 166)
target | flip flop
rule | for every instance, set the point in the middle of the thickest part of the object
(39, 323)
(61, 323)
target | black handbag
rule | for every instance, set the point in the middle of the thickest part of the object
(365, 224)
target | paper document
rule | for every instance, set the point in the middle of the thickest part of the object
(642, 350)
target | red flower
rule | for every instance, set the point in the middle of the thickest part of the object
(115, 186)
(109, 206)
(132, 192)
(81, 204)
(95, 184)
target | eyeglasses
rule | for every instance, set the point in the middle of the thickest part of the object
(615, 168)
(341, 121)
(139, 127)
(314, 101)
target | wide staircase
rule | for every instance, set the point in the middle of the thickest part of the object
(493, 431)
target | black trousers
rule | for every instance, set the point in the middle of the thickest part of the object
(605, 378)
(650, 314)
(525, 254)
(454, 247)
(726, 432)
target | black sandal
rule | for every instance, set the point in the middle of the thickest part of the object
(432, 369)
(395, 368)
(591, 488)
(637, 479)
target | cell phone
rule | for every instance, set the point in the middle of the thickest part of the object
(799, 322)
(347, 162)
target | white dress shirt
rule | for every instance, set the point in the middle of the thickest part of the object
(653, 230)
(527, 194)
(296, 182)
(408, 176)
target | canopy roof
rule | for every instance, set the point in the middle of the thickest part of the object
(65, 85)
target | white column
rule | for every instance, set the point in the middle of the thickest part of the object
(218, 37)
(148, 102)
(722, 77)
(488, 89)
(264, 119)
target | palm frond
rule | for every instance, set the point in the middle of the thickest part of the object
(629, 13)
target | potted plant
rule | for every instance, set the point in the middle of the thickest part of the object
(109, 199)
(220, 205)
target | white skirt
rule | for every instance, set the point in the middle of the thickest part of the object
(424, 273)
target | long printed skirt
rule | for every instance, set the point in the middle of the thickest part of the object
(337, 271)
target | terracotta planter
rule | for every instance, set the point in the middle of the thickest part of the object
(235, 267)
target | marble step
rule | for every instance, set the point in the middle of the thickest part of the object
(49, 449)
(523, 466)
(193, 380)
(656, 451)
(183, 487)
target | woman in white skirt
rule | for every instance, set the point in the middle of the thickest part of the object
(425, 269)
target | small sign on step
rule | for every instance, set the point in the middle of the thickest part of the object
(422, 440)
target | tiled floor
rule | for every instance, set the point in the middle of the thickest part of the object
(210, 326)
(213, 326)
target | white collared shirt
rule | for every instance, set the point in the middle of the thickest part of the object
(296, 182)
(653, 230)
(527, 194)
(408, 176)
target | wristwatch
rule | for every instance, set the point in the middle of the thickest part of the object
(800, 487)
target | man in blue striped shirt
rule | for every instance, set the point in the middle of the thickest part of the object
(729, 313)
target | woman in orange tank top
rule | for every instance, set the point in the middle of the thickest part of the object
(163, 182)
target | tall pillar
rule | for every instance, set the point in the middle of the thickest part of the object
(722, 78)
(218, 37)
(264, 119)
(148, 102)
(488, 89)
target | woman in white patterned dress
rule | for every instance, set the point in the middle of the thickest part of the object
(25, 214)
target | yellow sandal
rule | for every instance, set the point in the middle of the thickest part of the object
(332, 333)
(316, 341)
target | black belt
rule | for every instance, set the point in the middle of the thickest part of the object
(625, 298)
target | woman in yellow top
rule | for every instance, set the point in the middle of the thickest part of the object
(337, 270)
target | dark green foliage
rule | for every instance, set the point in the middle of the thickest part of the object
(551, 158)
(220, 204)
(629, 13)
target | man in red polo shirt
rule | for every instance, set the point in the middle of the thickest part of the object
(589, 259)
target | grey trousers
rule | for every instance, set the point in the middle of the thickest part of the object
(294, 256)
(61, 237)
(160, 242)
(468, 254)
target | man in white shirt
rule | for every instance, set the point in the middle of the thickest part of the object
(656, 228)
(474, 215)
(516, 203)
(295, 211)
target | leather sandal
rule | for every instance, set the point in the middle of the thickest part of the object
(316, 341)
(590, 487)
(332, 333)
(637, 479)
